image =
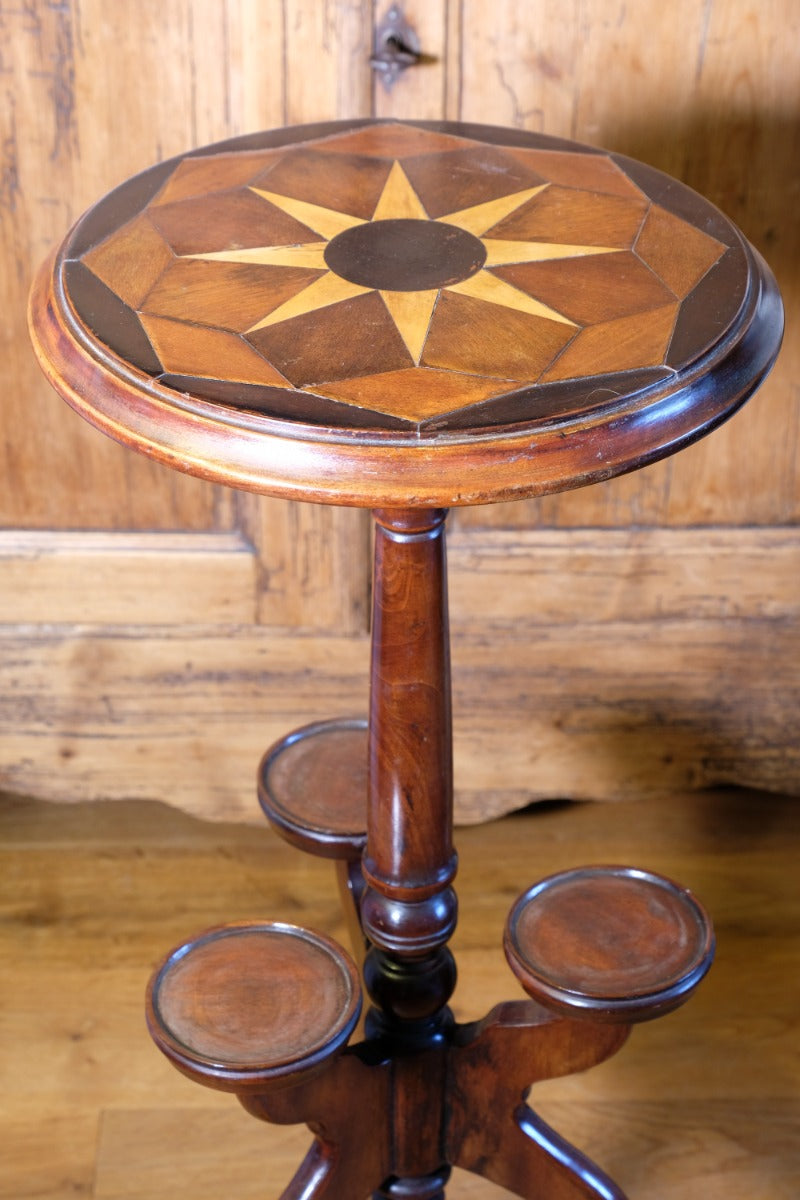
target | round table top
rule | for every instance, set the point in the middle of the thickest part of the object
(405, 314)
(247, 1004)
(609, 943)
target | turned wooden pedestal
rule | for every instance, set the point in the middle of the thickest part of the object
(409, 317)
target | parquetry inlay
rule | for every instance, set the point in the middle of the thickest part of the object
(264, 274)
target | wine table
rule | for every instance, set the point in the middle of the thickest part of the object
(409, 317)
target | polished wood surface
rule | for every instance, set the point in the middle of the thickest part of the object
(605, 946)
(244, 1006)
(405, 314)
(613, 944)
(312, 787)
(702, 1103)
(409, 852)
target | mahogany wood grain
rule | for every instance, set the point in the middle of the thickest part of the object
(500, 1058)
(348, 1157)
(441, 1094)
(612, 944)
(409, 907)
(312, 787)
(245, 1007)
(409, 852)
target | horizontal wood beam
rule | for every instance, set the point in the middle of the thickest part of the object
(63, 578)
(563, 576)
(596, 710)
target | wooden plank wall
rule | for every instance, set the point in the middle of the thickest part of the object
(707, 91)
(156, 632)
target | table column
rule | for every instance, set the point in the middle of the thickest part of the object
(409, 909)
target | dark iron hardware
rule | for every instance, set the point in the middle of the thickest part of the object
(396, 47)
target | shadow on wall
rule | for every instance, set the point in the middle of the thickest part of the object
(745, 161)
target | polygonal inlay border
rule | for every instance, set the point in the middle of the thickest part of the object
(217, 282)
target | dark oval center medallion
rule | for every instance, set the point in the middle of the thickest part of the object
(405, 255)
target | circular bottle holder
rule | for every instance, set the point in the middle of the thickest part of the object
(247, 1006)
(312, 786)
(612, 944)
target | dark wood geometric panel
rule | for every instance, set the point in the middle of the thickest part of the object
(132, 261)
(351, 183)
(709, 309)
(446, 183)
(401, 276)
(586, 172)
(546, 401)
(591, 290)
(393, 141)
(208, 353)
(116, 209)
(399, 392)
(625, 344)
(201, 176)
(112, 320)
(655, 245)
(231, 220)
(581, 217)
(319, 347)
(472, 336)
(226, 295)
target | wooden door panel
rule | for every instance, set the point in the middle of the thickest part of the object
(88, 101)
(707, 104)
(326, 60)
(136, 579)
(92, 100)
(313, 564)
(156, 631)
(421, 92)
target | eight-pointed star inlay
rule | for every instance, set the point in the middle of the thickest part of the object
(410, 307)
(405, 273)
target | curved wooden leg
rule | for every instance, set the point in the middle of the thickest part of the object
(521, 1043)
(314, 1174)
(522, 1153)
(492, 1133)
(346, 1108)
(331, 1172)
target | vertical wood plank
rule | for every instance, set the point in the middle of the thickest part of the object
(327, 46)
(520, 64)
(257, 66)
(314, 561)
(454, 60)
(89, 95)
(709, 104)
(420, 92)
